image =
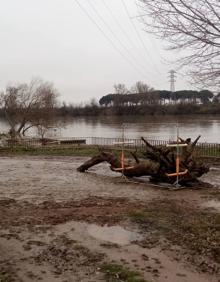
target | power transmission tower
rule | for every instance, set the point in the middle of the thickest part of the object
(172, 80)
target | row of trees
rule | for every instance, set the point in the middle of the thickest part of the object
(36, 105)
(161, 97)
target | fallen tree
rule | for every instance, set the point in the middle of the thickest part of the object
(158, 162)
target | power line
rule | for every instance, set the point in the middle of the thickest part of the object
(137, 32)
(107, 38)
(153, 44)
(119, 25)
(115, 36)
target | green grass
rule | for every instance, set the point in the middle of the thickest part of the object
(84, 150)
(5, 277)
(119, 273)
(91, 150)
(51, 151)
(208, 151)
(196, 230)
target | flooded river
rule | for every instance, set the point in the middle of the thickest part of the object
(164, 127)
(152, 127)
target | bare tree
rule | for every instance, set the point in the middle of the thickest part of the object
(141, 87)
(42, 129)
(120, 88)
(191, 26)
(29, 105)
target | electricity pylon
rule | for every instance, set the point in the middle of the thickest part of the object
(172, 80)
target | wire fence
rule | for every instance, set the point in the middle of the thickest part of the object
(211, 150)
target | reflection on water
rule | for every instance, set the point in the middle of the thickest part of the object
(163, 127)
(113, 234)
(213, 177)
(213, 204)
(152, 127)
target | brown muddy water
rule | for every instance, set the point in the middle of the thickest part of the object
(151, 127)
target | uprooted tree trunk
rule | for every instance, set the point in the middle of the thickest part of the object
(157, 162)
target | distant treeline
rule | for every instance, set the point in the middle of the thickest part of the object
(151, 103)
(161, 97)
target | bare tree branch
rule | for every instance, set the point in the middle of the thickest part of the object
(192, 27)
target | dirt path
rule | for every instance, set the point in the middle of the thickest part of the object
(60, 225)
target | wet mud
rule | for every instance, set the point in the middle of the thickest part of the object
(60, 225)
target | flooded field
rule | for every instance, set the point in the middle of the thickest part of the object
(60, 225)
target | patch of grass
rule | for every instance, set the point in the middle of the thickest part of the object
(116, 273)
(196, 230)
(209, 150)
(61, 150)
(7, 277)
(89, 150)
(52, 151)
(139, 217)
(3, 278)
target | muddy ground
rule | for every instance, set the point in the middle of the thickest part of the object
(57, 224)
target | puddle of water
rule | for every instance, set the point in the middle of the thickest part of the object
(170, 269)
(212, 177)
(213, 204)
(215, 168)
(113, 234)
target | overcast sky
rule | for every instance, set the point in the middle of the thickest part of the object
(57, 41)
